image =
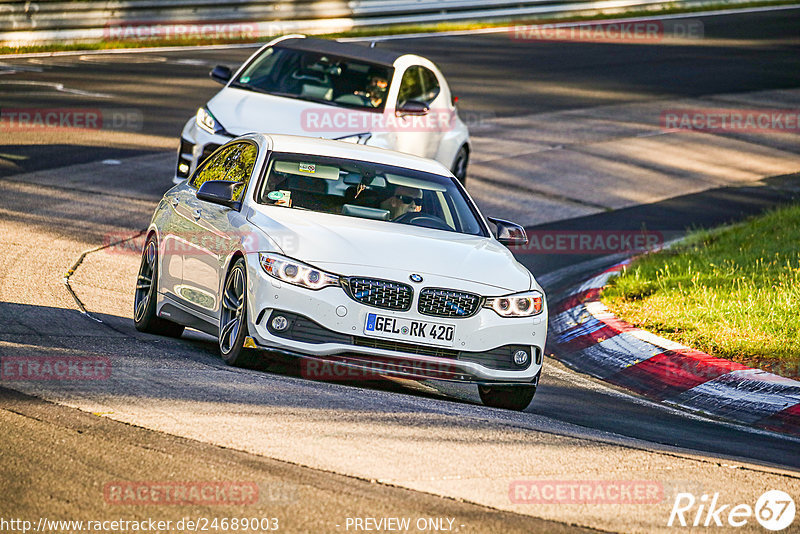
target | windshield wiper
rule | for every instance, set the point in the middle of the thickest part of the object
(300, 97)
(255, 88)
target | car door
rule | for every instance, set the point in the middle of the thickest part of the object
(173, 227)
(420, 134)
(214, 229)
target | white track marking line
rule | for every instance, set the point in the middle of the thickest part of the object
(56, 86)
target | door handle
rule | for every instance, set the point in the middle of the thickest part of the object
(196, 214)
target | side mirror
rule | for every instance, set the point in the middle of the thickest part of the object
(221, 74)
(412, 107)
(220, 192)
(509, 233)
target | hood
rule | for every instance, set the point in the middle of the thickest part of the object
(349, 246)
(241, 111)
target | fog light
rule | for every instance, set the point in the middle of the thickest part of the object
(280, 323)
(183, 168)
(520, 357)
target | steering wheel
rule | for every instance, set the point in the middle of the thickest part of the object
(425, 220)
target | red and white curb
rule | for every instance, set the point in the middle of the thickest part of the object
(590, 339)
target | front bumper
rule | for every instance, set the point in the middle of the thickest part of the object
(354, 367)
(195, 146)
(331, 328)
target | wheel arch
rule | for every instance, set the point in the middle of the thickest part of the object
(468, 149)
(234, 256)
(465, 145)
(152, 231)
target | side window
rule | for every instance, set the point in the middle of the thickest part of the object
(241, 166)
(430, 84)
(234, 163)
(410, 86)
(418, 84)
(262, 68)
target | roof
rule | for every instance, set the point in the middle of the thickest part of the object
(342, 149)
(378, 56)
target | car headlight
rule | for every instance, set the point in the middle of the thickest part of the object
(519, 305)
(295, 272)
(359, 139)
(207, 122)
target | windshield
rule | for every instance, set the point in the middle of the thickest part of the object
(369, 191)
(318, 78)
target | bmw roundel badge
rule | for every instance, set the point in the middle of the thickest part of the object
(416, 278)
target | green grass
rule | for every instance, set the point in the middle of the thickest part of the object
(400, 29)
(733, 292)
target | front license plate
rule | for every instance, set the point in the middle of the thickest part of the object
(409, 330)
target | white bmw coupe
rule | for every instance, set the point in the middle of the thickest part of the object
(333, 252)
(301, 85)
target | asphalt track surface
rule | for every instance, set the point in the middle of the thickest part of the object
(494, 76)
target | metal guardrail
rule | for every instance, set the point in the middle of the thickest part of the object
(48, 21)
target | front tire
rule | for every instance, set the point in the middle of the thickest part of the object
(460, 165)
(144, 299)
(507, 397)
(233, 317)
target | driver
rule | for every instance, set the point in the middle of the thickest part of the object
(405, 200)
(375, 91)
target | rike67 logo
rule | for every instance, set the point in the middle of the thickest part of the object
(774, 510)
